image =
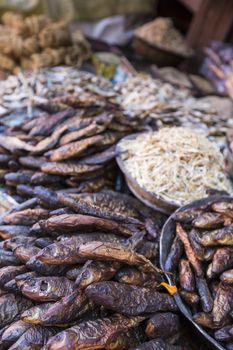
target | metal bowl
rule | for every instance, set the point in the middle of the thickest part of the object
(166, 239)
(154, 201)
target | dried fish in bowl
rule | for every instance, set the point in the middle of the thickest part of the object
(175, 164)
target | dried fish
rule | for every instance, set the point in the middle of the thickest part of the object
(205, 295)
(162, 325)
(47, 288)
(223, 303)
(157, 344)
(9, 272)
(222, 260)
(128, 299)
(227, 277)
(26, 217)
(175, 254)
(209, 221)
(69, 168)
(34, 314)
(186, 277)
(25, 252)
(11, 306)
(91, 334)
(13, 332)
(222, 236)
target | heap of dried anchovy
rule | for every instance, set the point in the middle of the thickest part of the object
(78, 271)
(36, 42)
(202, 256)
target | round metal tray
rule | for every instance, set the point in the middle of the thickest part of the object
(166, 239)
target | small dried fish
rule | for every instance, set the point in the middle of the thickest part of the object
(129, 300)
(162, 325)
(69, 168)
(47, 288)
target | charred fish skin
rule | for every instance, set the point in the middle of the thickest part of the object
(91, 334)
(162, 325)
(128, 299)
(174, 255)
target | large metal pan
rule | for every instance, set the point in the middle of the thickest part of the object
(167, 236)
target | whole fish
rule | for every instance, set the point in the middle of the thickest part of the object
(91, 334)
(74, 222)
(14, 242)
(11, 307)
(191, 298)
(40, 178)
(32, 162)
(90, 130)
(100, 157)
(126, 340)
(47, 288)
(174, 255)
(46, 269)
(128, 299)
(183, 236)
(205, 295)
(187, 216)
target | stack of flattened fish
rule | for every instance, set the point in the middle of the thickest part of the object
(78, 271)
(202, 256)
(71, 144)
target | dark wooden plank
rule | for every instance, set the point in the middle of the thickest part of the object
(212, 21)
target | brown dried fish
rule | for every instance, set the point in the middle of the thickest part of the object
(13, 144)
(206, 320)
(94, 185)
(74, 149)
(47, 288)
(187, 216)
(46, 269)
(189, 250)
(21, 177)
(222, 236)
(209, 221)
(205, 295)
(74, 222)
(199, 250)
(131, 275)
(34, 338)
(34, 314)
(89, 130)
(162, 325)
(224, 334)
(7, 273)
(223, 303)
(186, 276)
(96, 271)
(68, 309)
(26, 217)
(25, 252)
(225, 208)
(222, 260)
(174, 255)
(11, 306)
(126, 340)
(9, 231)
(14, 242)
(129, 300)
(69, 168)
(100, 157)
(50, 122)
(92, 334)
(13, 332)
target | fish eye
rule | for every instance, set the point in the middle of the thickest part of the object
(85, 274)
(43, 286)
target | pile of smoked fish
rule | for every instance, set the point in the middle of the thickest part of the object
(70, 145)
(201, 255)
(79, 271)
